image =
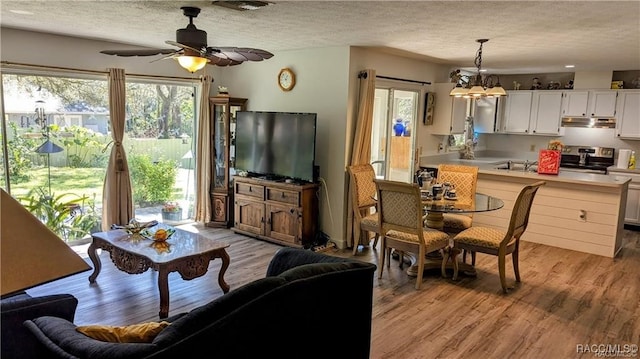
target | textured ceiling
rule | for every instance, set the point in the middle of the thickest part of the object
(525, 36)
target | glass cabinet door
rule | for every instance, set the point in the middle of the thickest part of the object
(220, 138)
(223, 128)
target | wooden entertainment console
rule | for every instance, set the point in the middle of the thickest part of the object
(284, 213)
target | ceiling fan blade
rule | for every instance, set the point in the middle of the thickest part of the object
(239, 53)
(173, 55)
(219, 61)
(186, 47)
(139, 52)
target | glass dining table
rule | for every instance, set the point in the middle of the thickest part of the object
(436, 208)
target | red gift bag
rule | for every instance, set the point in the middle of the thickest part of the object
(549, 162)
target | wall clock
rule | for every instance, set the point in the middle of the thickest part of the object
(286, 79)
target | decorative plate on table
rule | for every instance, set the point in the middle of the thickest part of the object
(158, 235)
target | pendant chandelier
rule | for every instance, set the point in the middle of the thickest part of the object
(479, 86)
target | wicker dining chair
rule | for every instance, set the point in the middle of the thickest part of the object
(464, 179)
(498, 242)
(363, 192)
(401, 228)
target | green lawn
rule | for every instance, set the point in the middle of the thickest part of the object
(79, 181)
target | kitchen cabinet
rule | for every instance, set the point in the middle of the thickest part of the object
(628, 114)
(602, 103)
(283, 213)
(546, 111)
(517, 111)
(591, 103)
(487, 114)
(450, 112)
(632, 211)
(223, 120)
(533, 112)
(575, 103)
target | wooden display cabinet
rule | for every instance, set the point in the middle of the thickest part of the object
(223, 121)
(284, 213)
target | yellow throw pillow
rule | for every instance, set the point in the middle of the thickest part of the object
(136, 333)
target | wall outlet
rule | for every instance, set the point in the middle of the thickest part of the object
(440, 147)
(532, 148)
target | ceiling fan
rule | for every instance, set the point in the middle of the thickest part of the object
(193, 52)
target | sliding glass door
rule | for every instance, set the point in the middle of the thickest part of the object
(395, 117)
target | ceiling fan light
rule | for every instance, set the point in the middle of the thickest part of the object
(192, 63)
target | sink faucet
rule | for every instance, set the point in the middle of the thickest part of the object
(528, 165)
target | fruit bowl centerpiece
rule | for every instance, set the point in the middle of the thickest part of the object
(134, 227)
(159, 235)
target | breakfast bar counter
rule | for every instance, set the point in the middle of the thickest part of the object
(577, 211)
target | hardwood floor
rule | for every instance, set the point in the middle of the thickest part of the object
(566, 299)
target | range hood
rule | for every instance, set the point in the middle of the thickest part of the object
(588, 122)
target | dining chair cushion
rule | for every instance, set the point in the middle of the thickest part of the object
(457, 222)
(431, 237)
(481, 236)
(370, 220)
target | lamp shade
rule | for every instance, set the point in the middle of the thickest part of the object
(476, 91)
(31, 253)
(192, 63)
(496, 91)
(458, 91)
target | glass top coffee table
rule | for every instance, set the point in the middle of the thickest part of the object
(184, 252)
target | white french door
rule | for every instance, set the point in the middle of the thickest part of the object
(395, 119)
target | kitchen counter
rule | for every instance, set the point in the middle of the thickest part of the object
(487, 165)
(574, 210)
(625, 170)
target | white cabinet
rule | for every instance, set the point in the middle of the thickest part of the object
(628, 114)
(602, 103)
(546, 110)
(592, 103)
(487, 114)
(533, 112)
(575, 103)
(632, 211)
(517, 111)
(450, 112)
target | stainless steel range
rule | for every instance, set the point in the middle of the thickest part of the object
(587, 159)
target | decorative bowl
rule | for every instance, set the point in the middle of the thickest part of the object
(135, 227)
(159, 235)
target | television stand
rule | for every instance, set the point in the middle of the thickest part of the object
(279, 212)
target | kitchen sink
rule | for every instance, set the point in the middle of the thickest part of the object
(517, 165)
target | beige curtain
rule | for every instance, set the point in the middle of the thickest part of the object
(361, 150)
(117, 201)
(203, 154)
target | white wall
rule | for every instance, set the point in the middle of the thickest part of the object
(322, 82)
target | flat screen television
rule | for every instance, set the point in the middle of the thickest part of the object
(278, 145)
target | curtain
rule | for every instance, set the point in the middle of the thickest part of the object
(203, 154)
(361, 150)
(117, 200)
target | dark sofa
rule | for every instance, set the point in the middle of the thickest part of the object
(17, 340)
(309, 305)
